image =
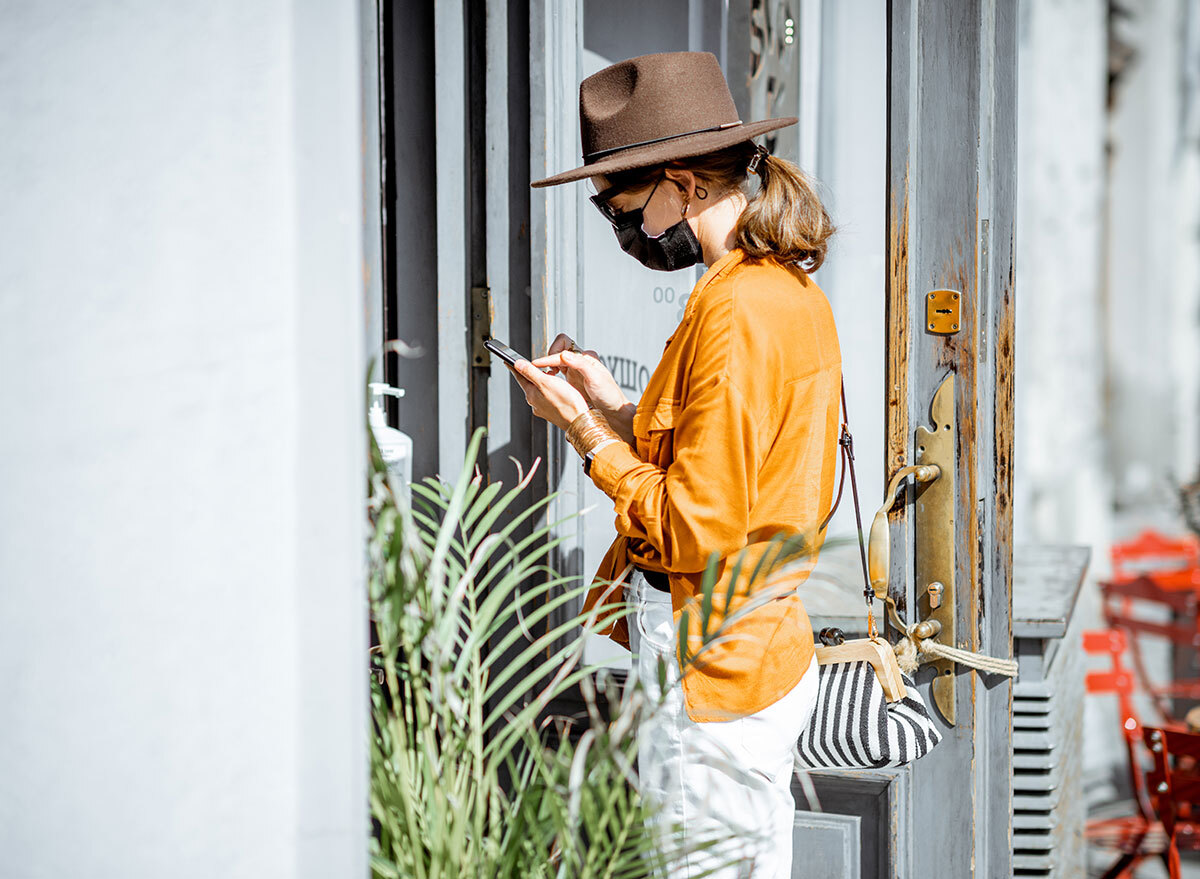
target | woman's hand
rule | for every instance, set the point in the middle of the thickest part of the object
(586, 373)
(549, 396)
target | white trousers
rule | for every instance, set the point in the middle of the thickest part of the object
(720, 777)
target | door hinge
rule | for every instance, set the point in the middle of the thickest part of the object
(481, 326)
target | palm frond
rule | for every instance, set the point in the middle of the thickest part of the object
(466, 776)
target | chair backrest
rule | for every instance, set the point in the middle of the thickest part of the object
(1120, 681)
(1153, 551)
(1174, 782)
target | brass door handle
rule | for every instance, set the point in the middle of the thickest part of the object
(880, 542)
(934, 607)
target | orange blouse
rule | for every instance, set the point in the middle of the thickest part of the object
(736, 442)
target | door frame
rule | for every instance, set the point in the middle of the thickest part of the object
(951, 202)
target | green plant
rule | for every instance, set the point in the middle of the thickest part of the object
(464, 781)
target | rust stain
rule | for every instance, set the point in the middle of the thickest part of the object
(896, 309)
(895, 414)
(1002, 515)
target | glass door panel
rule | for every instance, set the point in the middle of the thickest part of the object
(804, 58)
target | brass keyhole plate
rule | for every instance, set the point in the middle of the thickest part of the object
(942, 311)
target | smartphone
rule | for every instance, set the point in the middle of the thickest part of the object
(508, 355)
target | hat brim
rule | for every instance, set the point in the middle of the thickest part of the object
(679, 148)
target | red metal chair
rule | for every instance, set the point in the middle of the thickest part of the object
(1139, 835)
(1175, 785)
(1153, 552)
(1163, 571)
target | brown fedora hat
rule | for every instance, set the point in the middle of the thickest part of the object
(655, 108)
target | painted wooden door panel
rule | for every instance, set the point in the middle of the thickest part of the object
(952, 177)
(876, 803)
(826, 845)
(951, 185)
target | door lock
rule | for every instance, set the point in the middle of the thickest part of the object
(942, 311)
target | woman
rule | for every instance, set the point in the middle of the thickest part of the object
(734, 439)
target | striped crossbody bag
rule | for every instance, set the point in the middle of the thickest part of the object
(867, 714)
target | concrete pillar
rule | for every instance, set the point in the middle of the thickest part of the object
(182, 620)
(1062, 493)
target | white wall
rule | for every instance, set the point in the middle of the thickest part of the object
(1154, 257)
(1061, 188)
(1061, 483)
(182, 640)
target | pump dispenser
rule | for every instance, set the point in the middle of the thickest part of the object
(395, 446)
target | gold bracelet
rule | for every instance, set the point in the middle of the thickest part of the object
(588, 430)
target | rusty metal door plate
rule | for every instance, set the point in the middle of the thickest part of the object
(934, 526)
(942, 311)
(481, 326)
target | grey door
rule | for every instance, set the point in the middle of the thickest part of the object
(950, 227)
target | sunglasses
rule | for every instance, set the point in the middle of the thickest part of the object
(619, 218)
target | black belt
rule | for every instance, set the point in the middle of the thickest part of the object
(657, 579)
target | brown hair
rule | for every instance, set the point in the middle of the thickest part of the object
(784, 219)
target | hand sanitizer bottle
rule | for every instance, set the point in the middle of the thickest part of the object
(395, 445)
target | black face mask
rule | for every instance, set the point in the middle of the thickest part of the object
(676, 248)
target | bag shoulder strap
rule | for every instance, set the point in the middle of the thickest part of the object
(846, 441)
(842, 478)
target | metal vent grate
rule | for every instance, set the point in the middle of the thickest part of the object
(1047, 758)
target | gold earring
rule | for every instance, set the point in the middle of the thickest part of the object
(683, 213)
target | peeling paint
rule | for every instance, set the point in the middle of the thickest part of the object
(1002, 448)
(896, 367)
(898, 343)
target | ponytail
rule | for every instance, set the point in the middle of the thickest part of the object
(785, 220)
